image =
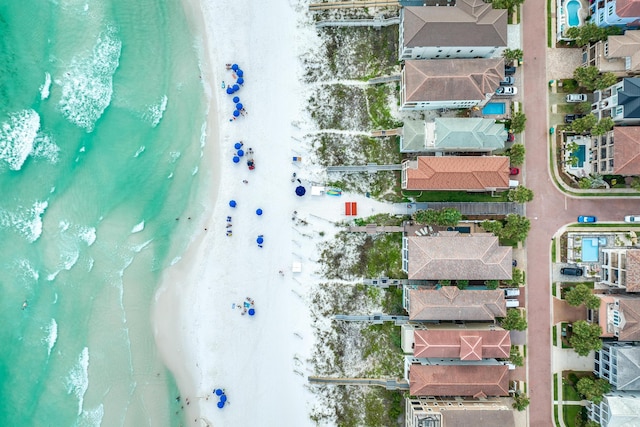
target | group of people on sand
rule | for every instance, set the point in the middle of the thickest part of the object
(229, 224)
(245, 306)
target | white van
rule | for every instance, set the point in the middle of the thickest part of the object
(513, 303)
(512, 292)
(576, 97)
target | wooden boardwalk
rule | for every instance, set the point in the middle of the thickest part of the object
(353, 4)
(480, 208)
(376, 229)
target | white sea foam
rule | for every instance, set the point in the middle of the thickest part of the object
(140, 150)
(155, 112)
(138, 227)
(17, 137)
(52, 334)
(63, 225)
(91, 418)
(87, 234)
(174, 155)
(69, 259)
(141, 246)
(52, 276)
(46, 86)
(88, 84)
(90, 266)
(28, 221)
(78, 378)
(44, 147)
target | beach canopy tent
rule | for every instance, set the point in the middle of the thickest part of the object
(300, 190)
(251, 313)
(230, 90)
(223, 398)
(240, 80)
(239, 73)
(236, 113)
(296, 267)
(236, 159)
(317, 190)
(239, 106)
(218, 392)
(260, 240)
(237, 145)
(258, 211)
(350, 208)
(220, 405)
(236, 99)
(240, 153)
(235, 67)
(232, 203)
(236, 88)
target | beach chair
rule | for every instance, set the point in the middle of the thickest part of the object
(418, 233)
(296, 159)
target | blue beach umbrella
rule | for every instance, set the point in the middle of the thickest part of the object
(237, 145)
(236, 99)
(236, 113)
(236, 87)
(218, 392)
(300, 190)
(220, 405)
(240, 153)
(229, 90)
(236, 159)
(260, 240)
(239, 72)
(258, 211)
(223, 398)
(235, 67)
(232, 203)
(251, 312)
(239, 106)
(240, 81)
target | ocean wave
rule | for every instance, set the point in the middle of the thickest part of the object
(27, 270)
(46, 86)
(140, 150)
(138, 227)
(28, 221)
(17, 137)
(87, 234)
(70, 259)
(45, 148)
(87, 86)
(78, 378)
(155, 112)
(91, 418)
(52, 335)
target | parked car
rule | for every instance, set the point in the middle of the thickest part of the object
(509, 71)
(512, 292)
(508, 81)
(511, 137)
(571, 271)
(507, 90)
(571, 117)
(587, 218)
(514, 262)
(632, 218)
(576, 97)
(514, 171)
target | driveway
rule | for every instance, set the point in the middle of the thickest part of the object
(549, 210)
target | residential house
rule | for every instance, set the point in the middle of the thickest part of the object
(456, 256)
(619, 13)
(450, 135)
(430, 411)
(618, 316)
(621, 102)
(617, 409)
(465, 344)
(433, 84)
(471, 29)
(621, 158)
(471, 379)
(621, 268)
(619, 363)
(618, 54)
(450, 303)
(457, 173)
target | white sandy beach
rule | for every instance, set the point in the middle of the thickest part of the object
(260, 361)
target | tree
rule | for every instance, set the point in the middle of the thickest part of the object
(590, 32)
(591, 423)
(585, 337)
(584, 183)
(593, 302)
(462, 284)
(512, 54)
(593, 390)
(635, 184)
(582, 108)
(603, 126)
(426, 216)
(517, 122)
(520, 401)
(587, 77)
(492, 284)
(520, 194)
(583, 124)
(510, 5)
(448, 217)
(578, 295)
(517, 277)
(515, 357)
(492, 226)
(514, 321)
(607, 79)
(516, 154)
(515, 227)
(444, 282)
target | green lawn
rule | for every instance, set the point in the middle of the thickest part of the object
(549, 29)
(569, 413)
(553, 289)
(553, 250)
(555, 415)
(555, 385)
(554, 336)
(454, 196)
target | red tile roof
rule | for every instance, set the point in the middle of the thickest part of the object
(450, 303)
(464, 343)
(457, 173)
(627, 8)
(626, 150)
(459, 380)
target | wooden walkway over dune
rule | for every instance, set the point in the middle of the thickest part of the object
(353, 4)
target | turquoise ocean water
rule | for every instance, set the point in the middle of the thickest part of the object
(101, 116)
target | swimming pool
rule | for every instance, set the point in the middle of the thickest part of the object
(590, 248)
(580, 154)
(573, 6)
(494, 108)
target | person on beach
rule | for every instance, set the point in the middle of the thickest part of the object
(245, 181)
(228, 66)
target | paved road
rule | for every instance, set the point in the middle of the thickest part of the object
(548, 211)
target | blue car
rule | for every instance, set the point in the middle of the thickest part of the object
(587, 218)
